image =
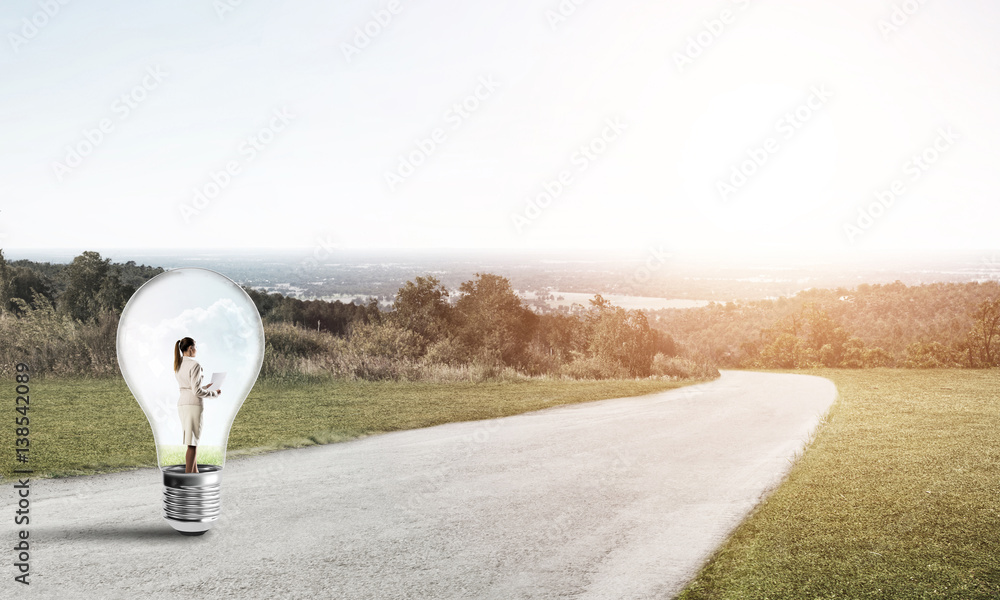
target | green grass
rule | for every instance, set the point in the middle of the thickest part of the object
(174, 454)
(897, 497)
(83, 426)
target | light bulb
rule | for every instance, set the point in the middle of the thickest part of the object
(229, 338)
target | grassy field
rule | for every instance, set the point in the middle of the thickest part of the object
(82, 426)
(898, 497)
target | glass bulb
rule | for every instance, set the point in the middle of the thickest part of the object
(229, 338)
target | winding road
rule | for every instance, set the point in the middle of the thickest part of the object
(622, 498)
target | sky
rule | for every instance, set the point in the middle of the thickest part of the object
(731, 126)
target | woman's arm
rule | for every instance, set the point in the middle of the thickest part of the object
(196, 376)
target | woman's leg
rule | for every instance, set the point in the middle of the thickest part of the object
(190, 464)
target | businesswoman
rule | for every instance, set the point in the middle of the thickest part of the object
(189, 406)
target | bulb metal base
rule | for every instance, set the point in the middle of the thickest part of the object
(192, 502)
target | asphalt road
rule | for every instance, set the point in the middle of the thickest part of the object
(621, 498)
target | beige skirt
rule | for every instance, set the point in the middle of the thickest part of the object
(190, 422)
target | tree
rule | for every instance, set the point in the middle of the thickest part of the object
(25, 283)
(264, 302)
(664, 343)
(877, 357)
(561, 336)
(853, 355)
(93, 285)
(931, 355)
(22, 282)
(984, 339)
(287, 310)
(5, 281)
(785, 352)
(493, 324)
(827, 338)
(621, 337)
(422, 307)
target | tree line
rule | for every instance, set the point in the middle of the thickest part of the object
(894, 325)
(65, 317)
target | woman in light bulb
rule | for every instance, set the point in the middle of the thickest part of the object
(189, 407)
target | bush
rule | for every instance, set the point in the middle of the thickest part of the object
(292, 353)
(931, 355)
(384, 340)
(877, 357)
(682, 368)
(56, 344)
(594, 368)
(540, 361)
(292, 340)
(447, 351)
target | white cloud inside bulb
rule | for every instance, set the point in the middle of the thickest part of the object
(225, 325)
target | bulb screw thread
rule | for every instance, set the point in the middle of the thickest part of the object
(192, 502)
